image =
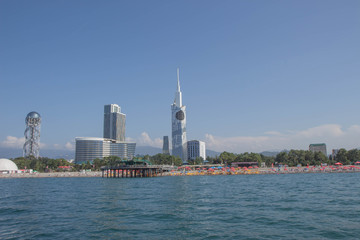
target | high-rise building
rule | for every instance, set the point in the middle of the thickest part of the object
(196, 149)
(113, 143)
(32, 135)
(318, 147)
(114, 122)
(90, 148)
(166, 149)
(178, 116)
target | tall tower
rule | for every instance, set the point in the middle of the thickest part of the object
(166, 149)
(114, 123)
(32, 135)
(178, 117)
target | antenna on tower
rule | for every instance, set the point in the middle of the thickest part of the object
(178, 80)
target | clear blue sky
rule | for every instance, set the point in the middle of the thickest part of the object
(254, 74)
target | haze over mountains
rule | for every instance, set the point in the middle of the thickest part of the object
(70, 154)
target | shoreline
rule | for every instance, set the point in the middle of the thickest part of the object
(52, 175)
(203, 172)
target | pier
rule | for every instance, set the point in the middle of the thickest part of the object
(127, 171)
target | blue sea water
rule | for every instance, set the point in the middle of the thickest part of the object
(293, 206)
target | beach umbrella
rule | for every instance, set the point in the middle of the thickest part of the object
(250, 167)
(338, 163)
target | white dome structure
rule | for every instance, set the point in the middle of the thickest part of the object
(7, 165)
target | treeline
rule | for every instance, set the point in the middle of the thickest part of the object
(291, 158)
(41, 164)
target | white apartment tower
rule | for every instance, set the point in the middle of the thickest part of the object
(196, 149)
(178, 118)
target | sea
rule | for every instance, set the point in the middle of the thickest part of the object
(283, 206)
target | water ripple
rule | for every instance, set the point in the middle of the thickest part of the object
(300, 206)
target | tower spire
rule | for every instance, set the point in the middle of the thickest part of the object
(178, 98)
(178, 80)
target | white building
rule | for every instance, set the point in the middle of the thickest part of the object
(7, 166)
(90, 148)
(178, 117)
(196, 149)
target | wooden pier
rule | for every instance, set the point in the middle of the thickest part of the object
(127, 171)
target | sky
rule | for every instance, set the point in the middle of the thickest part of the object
(255, 75)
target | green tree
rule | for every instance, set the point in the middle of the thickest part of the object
(282, 158)
(342, 157)
(353, 155)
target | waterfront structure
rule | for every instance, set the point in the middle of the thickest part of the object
(132, 171)
(32, 135)
(114, 122)
(196, 149)
(90, 148)
(318, 147)
(166, 149)
(178, 118)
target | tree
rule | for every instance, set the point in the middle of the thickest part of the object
(341, 156)
(112, 161)
(353, 155)
(282, 158)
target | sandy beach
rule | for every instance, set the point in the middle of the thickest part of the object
(187, 171)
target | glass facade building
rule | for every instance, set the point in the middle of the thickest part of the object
(114, 122)
(88, 149)
(166, 149)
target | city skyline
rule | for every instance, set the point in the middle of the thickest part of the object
(260, 76)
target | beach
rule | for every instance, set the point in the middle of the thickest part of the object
(190, 171)
(51, 175)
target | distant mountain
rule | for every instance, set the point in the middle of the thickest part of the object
(50, 153)
(143, 150)
(269, 154)
(211, 153)
(70, 154)
(10, 152)
(272, 153)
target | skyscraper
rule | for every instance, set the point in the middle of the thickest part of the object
(166, 149)
(178, 113)
(114, 123)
